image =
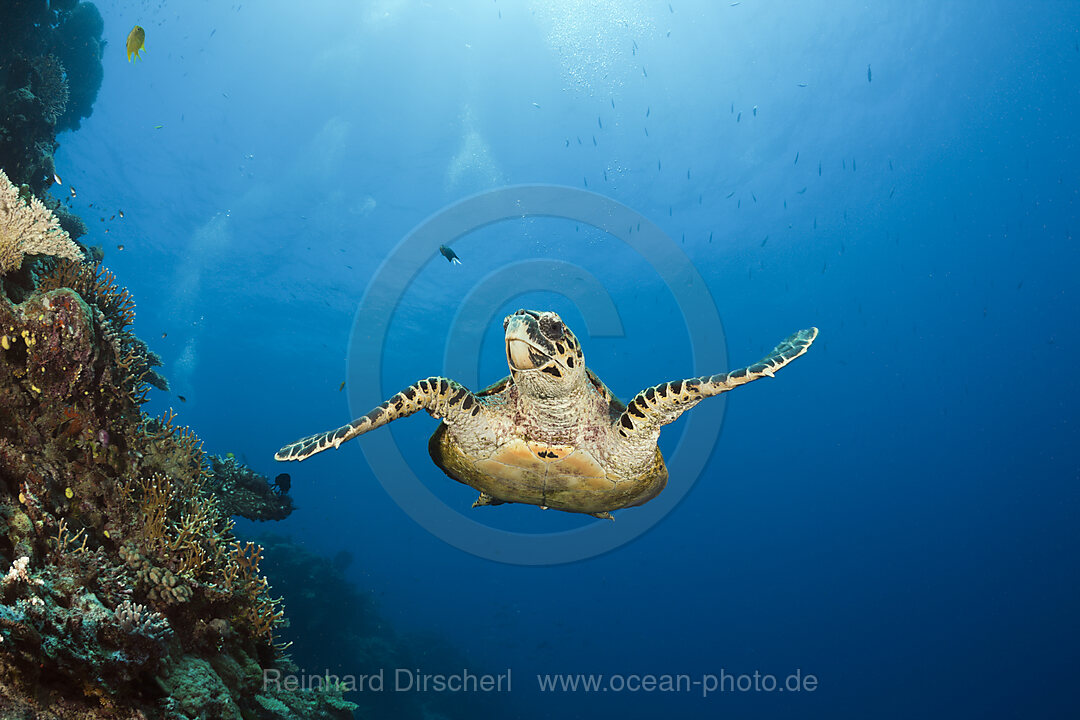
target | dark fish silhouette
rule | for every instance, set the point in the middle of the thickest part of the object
(283, 482)
(449, 254)
(869, 77)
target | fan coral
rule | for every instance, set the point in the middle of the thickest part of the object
(29, 229)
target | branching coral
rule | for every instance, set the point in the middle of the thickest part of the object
(97, 286)
(115, 312)
(29, 229)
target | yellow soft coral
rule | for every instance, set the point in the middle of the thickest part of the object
(29, 229)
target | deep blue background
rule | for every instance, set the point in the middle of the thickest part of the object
(896, 513)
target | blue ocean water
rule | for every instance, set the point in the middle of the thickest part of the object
(895, 514)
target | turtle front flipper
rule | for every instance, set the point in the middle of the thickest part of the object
(664, 403)
(442, 398)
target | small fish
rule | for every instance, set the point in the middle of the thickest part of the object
(815, 223)
(688, 174)
(605, 176)
(796, 158)
(738, 204)
(869, 77)
(230, 456)
(341, 386)
(225, 95)
(657, 166)
(646, 132)
(732, 108)
(212, 32)
(594, 140)
(119, 247)
(738, 117)
(567, 142)
(158, 127)
(136, 42)
(112, 218)
(164, 335)
(648, 110)
(120, 213)
(644, 71)
(802, 84)
(182, 398)
(599, 123)
(890, 165)
(731, 195)
(735, 4)
(612, 103)
(755, 111)
(710, 236)
(56, 179)
(671, 8)
(852, 164)
(585, 181)
(892, 192)
(765, 241)
(803, 191)
(536, 105)
(753, 197)
(785, 204)
(819, 168)
(449, 254)
(72, 189)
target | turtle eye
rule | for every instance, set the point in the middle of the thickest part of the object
(552, 328)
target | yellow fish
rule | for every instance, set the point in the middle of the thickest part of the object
(135, 42)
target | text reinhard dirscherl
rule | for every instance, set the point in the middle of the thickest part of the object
(413, 680)
(401, 680)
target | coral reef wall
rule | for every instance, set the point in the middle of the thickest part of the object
(50, 73)
(124, 587)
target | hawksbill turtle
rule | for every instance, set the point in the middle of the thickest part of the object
(551, 433)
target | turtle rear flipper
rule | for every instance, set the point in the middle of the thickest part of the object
(664, 403)
(442, 398)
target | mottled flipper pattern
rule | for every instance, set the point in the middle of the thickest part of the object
(442, 398)
(663, 403)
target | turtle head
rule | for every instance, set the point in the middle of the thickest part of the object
(544, 356)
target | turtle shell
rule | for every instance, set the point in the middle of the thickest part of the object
(563, 477)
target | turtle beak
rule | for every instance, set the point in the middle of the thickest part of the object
(521, 354)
